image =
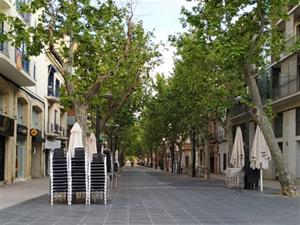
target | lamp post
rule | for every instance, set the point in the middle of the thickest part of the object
(112, 147)
(107, 96)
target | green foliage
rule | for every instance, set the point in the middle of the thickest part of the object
(102, 51)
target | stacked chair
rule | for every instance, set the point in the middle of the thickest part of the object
(58, 174)
(79, 176)
(99, 178)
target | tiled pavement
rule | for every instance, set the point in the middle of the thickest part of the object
(147, 196)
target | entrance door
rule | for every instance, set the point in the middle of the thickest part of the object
(20, 158)
(36, 160)
(2, 157)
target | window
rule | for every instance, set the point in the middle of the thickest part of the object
(298, 121)
(57, 87)
(1, 32)
(280, 144)
(20, 118)
(224, 161)
(55, 117)
(34, 71)
(35, 119)
(51, 80)
(1, 102)
(275, 82)
(298, 77)
(278, 125)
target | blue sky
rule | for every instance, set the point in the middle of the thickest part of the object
(162, 16)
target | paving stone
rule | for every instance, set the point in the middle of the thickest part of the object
(147, 196)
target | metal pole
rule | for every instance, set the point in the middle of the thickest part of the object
(98, 129)
(261, 179)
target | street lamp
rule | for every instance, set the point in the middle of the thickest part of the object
(107, 96)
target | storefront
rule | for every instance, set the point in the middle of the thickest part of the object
(37, 167)
(22, 132)
(6, 130)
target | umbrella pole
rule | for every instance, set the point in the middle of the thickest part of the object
(261, 179)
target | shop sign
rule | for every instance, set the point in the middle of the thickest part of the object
(22, 130)
(6, 126)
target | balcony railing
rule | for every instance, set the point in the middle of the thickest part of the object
(289, 44)
(238, 109)
(288, 88)
(21, 61)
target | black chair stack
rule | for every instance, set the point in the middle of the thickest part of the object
(98, 176)
(78, 172)
(109, 164)
(59, 173)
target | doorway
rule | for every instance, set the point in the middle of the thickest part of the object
(2, 157)
(20, 158)
(36, 160)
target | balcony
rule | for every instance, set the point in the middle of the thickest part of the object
(238, 109)
(286, 89)
(52, 95)
(21, 61)
(5, 4)
(56, 131)
(14, 66)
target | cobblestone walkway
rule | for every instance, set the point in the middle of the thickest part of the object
(147, 196)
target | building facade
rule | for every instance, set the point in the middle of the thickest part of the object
(26, 113)
(281, 84)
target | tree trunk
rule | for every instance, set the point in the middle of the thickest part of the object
(193, 138)
(180, 157)
(207, 158)
(228, 130)
(173, 156)
(81, 111)
(165, 159)
(156, 160)
(162, 160)
(288, 187)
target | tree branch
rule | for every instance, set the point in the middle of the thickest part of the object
(97, 85)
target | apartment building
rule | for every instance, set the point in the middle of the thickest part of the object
(281, 84)
(30, 114)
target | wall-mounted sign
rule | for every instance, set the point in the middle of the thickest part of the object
(34, 132)
(6, 126)
(22, 130)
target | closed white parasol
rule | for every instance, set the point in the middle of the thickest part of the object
(91, 145)
(238, 156)
(260, 154)
(75, 139)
